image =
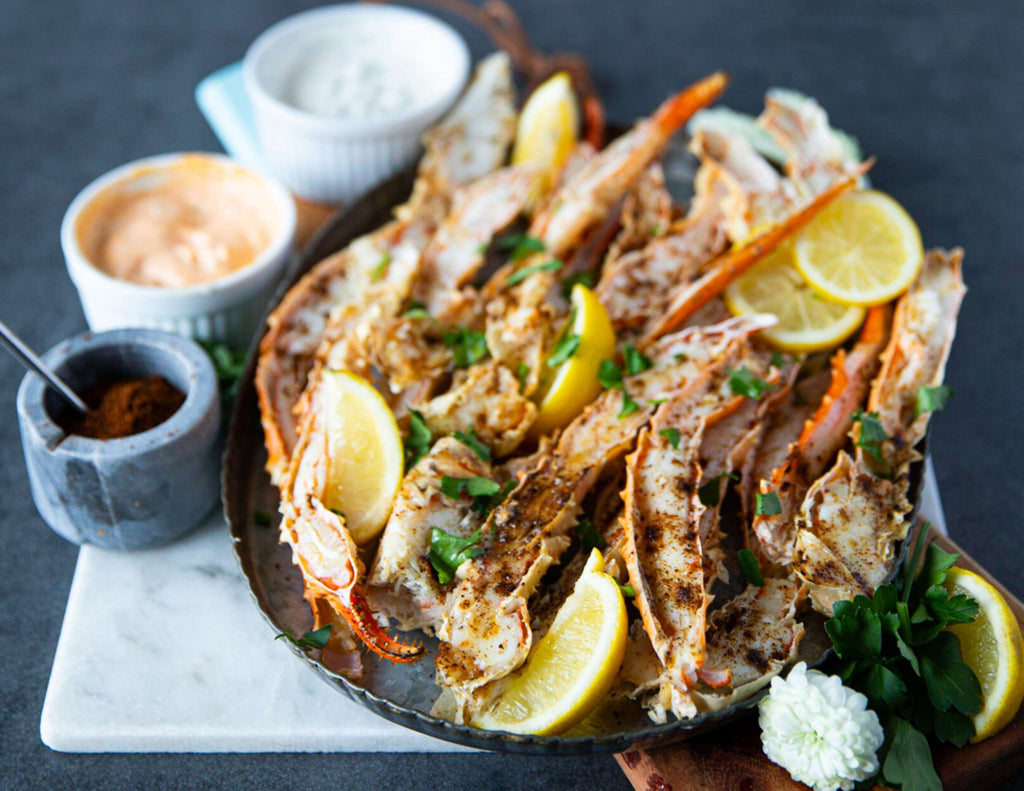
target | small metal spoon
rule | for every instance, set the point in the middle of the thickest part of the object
(17, 347)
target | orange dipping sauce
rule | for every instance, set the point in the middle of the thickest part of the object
(195, 220)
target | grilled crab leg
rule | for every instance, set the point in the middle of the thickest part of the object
(321, 545)
(486, 632)
(823, 435)
(470, 142)
(853, 516)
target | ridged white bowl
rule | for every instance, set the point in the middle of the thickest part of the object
(225, 310)
(334, 160)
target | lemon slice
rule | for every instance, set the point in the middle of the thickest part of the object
(862, 250)
(993, 647)
(572, 667)
(546, 133)
(807, 321)
(364, 451)
(575, 383)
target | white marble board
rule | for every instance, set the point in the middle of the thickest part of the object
(164, 651)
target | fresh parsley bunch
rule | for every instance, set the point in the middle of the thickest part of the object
(896, 650)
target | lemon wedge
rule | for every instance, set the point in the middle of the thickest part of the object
(546, 133)
(574, 383)
(807, 321)
(364, 451)
(992, 646)
(572, 667)
(863, 249)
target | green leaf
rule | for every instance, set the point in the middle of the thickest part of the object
(448, 552)
(521, 245)
(609, 374)
(672, 435)
(953, 727)
(470, 346)
(767, 504)
(417, 310)
(471, 441)
(743, 383)
(229, 364)
(778, 360)
(872, 435)
(933, 571)
(629, 406)
(381, 268)
(908, 762)
(855, 629)
(932, 399)
(521, 274)
(636, 361)
(881, 684)
(710, 494)
(310, 640)
(522, 373)
(949, 681)
(417, 443)
(563, 350)
(628, 591)
(950, 609)
(583, 278)
(750, 568)
(589, 537)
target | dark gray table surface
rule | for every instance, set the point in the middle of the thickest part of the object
(933, 89)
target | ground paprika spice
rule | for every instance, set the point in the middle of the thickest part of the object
(126, 407)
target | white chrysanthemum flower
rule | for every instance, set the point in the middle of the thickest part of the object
(819, 731)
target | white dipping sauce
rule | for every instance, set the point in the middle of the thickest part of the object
(351, 80)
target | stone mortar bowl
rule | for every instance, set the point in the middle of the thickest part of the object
(138, 491)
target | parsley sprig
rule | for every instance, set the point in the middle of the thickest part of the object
(470, 346)
(521, 245)
(932, 399)
(521, 274)
(310, 640)
(743, 382)
(417, 441)
(448, 552)
(710, 493)
(486, 494)
(895, 648)
(474, 443)
(872, 434)
(609, 374)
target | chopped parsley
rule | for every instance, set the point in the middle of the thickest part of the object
(750, 568)
(609, 374)
(672, 435)
(589, 537)
(710, 493)
(310, 640)
(470, 345)
(521, 245)
(520, 275)
(636, 361)
(229, 364)
(744, 383)
(448, 552)
(767, 504)
(778, 360)
(472, 441)
(583, 278)
(655, 229)
(522, 373)
(872, 435)
(486, 494)
(932, 399)
(563, 350)
(628, 591)
(381, 268)
(416, 310)
(418, 440)
(629, 406)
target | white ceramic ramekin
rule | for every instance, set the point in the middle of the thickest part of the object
(334, 160)
(225, 310)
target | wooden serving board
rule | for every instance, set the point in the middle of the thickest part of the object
(731, 758)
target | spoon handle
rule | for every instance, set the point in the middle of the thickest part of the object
(16, 346)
